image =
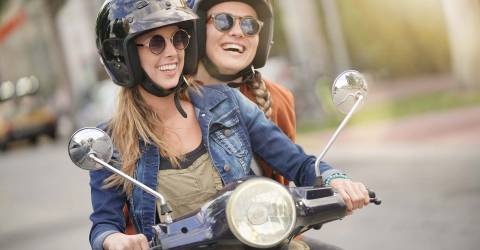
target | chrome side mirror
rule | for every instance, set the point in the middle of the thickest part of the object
(347, 89)
(92, 148)
(86, 141)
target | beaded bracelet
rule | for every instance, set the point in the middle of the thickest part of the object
(331, 177)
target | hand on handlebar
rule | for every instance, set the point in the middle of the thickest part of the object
(120, 241)
(355, 194)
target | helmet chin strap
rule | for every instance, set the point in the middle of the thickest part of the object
(156, 90)
(212, 69)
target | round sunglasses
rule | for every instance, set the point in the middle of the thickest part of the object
(157, 43)
(224, 22)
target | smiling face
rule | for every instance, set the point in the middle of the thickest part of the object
(165, 68)
(231, 51)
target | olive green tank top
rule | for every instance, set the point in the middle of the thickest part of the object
(188, 188)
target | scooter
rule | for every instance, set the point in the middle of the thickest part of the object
(254, 212)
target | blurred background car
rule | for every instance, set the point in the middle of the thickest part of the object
(24, 114)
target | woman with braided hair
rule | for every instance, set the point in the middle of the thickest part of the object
(230, 53)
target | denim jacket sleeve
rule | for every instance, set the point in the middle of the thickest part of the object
(107, 203)
(273, 146)
(107, 216)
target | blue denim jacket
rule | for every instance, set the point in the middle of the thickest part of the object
(233, 129)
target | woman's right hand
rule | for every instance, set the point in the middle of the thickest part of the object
(120, 241)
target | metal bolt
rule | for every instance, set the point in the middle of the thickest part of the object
(227, 132)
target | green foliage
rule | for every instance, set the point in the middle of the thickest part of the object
(419, 104)
(396, 38)
(394, 109)
(389, 37)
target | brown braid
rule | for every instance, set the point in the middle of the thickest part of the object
(262, 96)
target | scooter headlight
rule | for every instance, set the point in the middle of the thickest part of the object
(261, 213)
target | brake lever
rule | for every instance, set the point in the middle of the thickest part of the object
(373, 198)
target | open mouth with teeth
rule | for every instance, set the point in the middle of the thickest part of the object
(232, 47)
(168, 67)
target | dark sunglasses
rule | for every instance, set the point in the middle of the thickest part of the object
(224, 22)
(157, 43)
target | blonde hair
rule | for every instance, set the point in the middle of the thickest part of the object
(134, 120)
(259, 89)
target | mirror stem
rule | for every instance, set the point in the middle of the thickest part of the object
(168, 218)
(334, 136)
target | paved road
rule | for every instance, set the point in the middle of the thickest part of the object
(44, 199)
(427, 171)
(429, 182)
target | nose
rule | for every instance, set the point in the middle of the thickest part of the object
(169, 50)
(236, 30)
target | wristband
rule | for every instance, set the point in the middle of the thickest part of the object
(331, 177)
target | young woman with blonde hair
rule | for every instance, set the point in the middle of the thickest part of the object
(184, 141)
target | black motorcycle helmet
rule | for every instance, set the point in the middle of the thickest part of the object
(265, 14)
(120, 21)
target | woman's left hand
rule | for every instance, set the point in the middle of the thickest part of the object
(355, 194)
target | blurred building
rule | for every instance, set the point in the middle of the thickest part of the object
(25, 44)
(54, 41)
(76, 25)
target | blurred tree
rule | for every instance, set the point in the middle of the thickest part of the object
(279, 47)
(3, 3)
(335, 36)
(54, 6)
(463, 20)
(307, 51)
(62, 80)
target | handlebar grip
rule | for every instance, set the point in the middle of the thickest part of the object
(373, 197)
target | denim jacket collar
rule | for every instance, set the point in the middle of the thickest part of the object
(207, 100)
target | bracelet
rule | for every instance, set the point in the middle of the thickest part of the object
(331, 177)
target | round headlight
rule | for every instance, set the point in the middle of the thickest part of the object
(261, 213)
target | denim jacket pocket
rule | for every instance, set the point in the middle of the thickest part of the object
(228, 134)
